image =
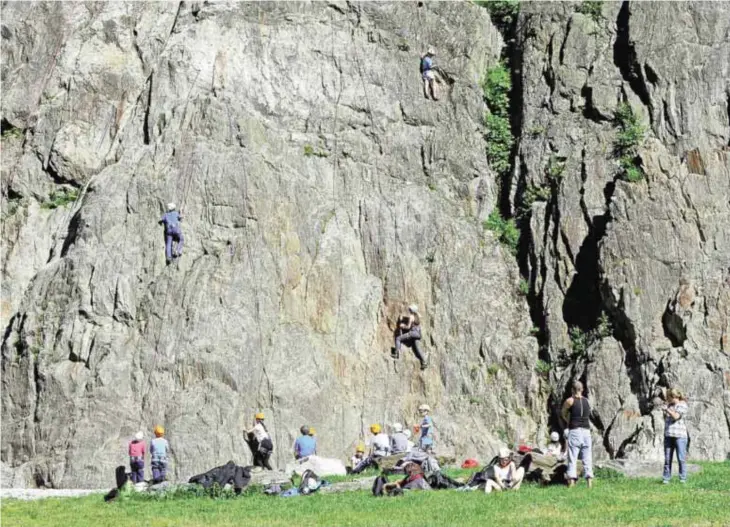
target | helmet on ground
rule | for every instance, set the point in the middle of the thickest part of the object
(360, 448)
(260, 416)
(504, 453)
(375, 429)
(554, 437)
(171, 206)
(430, 51)
(397, 427)
(413, 308)
(424, 408)
(470, 463)
(139, 436)
(312, 431)
(304, 430)
(159, 431)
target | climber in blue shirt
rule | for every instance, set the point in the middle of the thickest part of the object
(173, 233)
(429, 77)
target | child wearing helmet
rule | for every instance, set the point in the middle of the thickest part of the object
(174, 239)
(259, 441)
(158, 452)
(136, 458)
(358, 457)
(425, 442)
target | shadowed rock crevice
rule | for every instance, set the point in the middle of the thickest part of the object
(624, 56)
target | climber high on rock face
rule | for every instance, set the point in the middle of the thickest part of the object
(173, 233)
(409, 333)
(429, 77)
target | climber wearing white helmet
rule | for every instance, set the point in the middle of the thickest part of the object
(505, 475)
(173, 233)
(409, 333)
(554, 448)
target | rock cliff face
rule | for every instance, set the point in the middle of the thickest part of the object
(322, 194)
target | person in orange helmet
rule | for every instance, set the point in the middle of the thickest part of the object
(158, 452)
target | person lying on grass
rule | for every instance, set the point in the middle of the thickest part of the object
(414, 479)
(505, 476)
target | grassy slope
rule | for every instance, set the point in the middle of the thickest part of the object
(704, 500)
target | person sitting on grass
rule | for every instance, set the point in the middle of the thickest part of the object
(505, 475)
(358, 457)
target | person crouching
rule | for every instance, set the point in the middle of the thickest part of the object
(505, 476)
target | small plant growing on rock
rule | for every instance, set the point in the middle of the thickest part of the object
(604, 328)
(555, 168)
(60, 198)
(543, 367)
(631, 134)
(524, 287)
(591, 8)
(493, 369)
(497, 85)
(532, 194)
(578, 340)
(505, 230)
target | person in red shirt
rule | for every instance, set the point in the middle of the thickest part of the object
(136, 458)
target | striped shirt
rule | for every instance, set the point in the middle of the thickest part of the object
(676, 427)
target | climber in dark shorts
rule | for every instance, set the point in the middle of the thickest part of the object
(409, 333)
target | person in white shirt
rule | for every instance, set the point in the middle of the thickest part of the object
(259, 441)
(554, 448)
(379, 443)
(505, 476)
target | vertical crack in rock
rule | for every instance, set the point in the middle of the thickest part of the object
(624, 57)
(146, 123)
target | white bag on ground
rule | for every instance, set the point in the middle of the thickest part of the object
(322, 466)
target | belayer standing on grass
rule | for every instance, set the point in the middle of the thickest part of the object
(259, 441)
(425, 442)
(409, 333)
(173, 233)
(158, 452)
(429, 77)
(675, 435)
(136, 458)
(576, 412)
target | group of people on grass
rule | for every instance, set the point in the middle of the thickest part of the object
(505, 475)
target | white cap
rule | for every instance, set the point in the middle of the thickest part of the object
(430, 51)
(397, 427)
(504, 453)
(413, 308)
(424, 407)
(554, 437)
(170, 206)
(139, 436)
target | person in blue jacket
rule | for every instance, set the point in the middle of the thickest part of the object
(173, 233)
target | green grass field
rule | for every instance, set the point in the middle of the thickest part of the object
(704, 500)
